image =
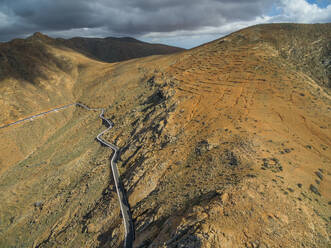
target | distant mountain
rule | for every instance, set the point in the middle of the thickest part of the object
(25, 58)
(109, 49)
(116, 49)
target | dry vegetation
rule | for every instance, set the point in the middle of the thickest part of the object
(225, 145)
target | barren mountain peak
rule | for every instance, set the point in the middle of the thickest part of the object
(39, 36)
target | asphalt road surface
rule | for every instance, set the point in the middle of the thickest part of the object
(38, 115)
(125, 207)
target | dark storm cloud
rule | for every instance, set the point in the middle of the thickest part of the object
(124, 17)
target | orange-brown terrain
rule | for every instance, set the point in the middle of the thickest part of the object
(224, 145)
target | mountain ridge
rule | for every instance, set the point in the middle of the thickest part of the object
(109, 49)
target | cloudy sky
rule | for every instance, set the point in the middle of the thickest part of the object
(184, 23)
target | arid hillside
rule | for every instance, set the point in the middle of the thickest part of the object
(224, 145)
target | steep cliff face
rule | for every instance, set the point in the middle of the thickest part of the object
(224, 145)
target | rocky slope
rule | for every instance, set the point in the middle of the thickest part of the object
(224, 145)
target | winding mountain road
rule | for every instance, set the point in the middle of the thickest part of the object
(124, 205)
